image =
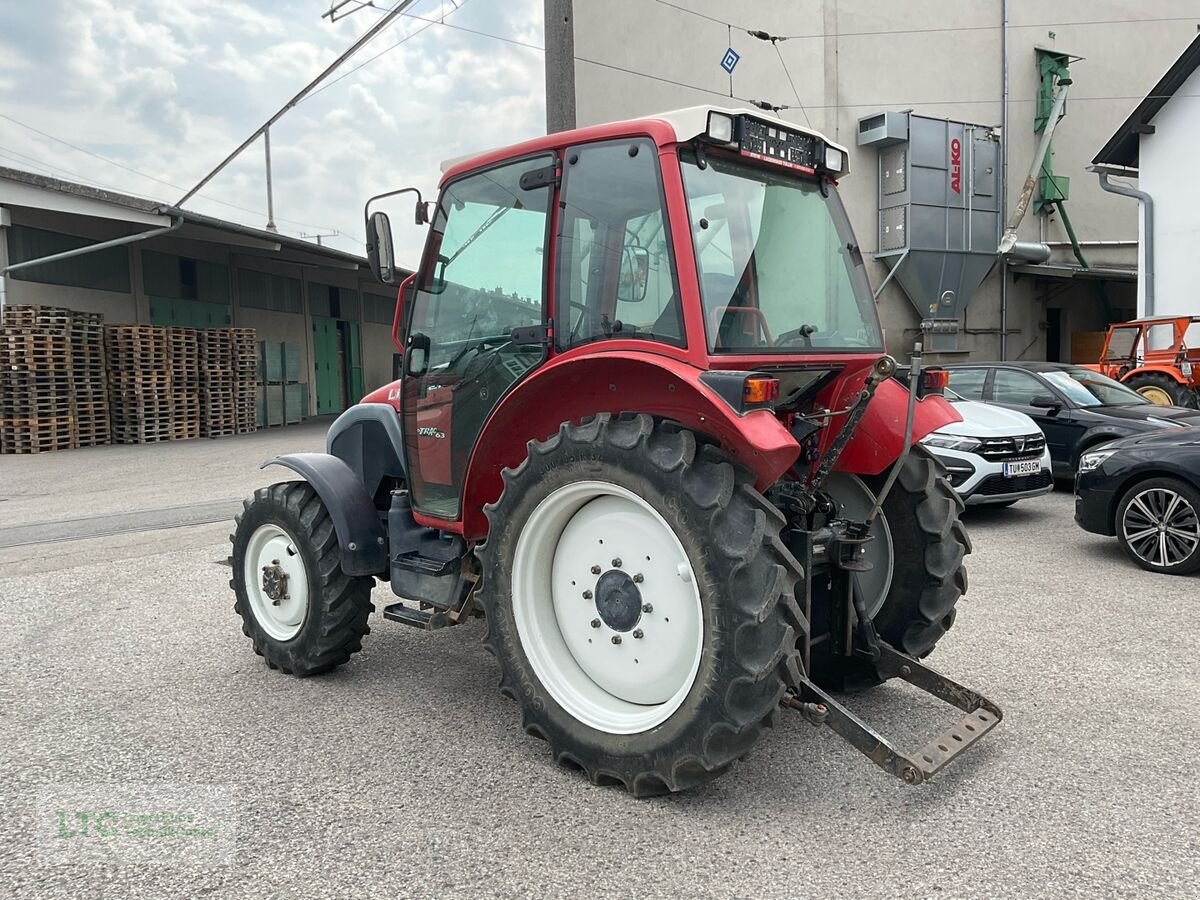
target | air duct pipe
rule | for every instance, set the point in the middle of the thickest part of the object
(1009, 239)
(1147, 203)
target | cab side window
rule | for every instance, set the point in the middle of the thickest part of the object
(615, 270)
(968, 383)
(1016, 388)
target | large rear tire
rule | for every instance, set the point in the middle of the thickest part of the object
(304, 615)
(928, 544)
(640, 603)
(1162, 390)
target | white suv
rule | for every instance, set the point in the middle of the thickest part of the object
(993, 455)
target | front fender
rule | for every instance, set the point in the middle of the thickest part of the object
(1154, 369)
(879, 438)
(614, 382)
(359, 531)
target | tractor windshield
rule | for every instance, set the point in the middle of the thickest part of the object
(779, 266)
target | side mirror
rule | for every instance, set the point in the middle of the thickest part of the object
(424, 211)
(1047, 402)
(380, 254)
(635, 274)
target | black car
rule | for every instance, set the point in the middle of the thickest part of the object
(1076, 408)
(1145, 490)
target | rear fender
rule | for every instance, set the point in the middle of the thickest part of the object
(359, 531)
(1150, 368)
(879, 438)
(615, 382)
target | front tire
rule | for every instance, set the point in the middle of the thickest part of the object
(1158, 526)
(620, 547)
(303, 614)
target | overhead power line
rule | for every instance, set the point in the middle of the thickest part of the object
(362, 41)
(429, 23)
(139, 173)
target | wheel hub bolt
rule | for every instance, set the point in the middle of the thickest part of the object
(617, 563)
(637, 633)
(595, 623)
(595, 570)
(647, 607)
(587, 595)
(638, 579)
(616, 639)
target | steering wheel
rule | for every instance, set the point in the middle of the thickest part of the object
(804, 332)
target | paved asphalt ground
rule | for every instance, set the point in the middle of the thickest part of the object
(126, 687)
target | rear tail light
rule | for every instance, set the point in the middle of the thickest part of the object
(758, 390)
(934, 381)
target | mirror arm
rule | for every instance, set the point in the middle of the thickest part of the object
(420, 216)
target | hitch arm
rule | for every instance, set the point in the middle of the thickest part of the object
(918, 766)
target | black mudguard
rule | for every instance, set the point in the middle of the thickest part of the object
(355, 519)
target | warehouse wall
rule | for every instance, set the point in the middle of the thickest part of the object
(377, 355)
(133, 306)
(861, 57)
(116, 306)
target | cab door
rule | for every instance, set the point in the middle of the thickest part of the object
(483, 277)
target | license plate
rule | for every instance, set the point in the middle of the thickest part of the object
(1022, 467)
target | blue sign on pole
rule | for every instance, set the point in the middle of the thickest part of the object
(730, 60)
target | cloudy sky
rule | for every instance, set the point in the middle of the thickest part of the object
(166, 88)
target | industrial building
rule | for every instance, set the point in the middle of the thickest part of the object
(989, 70)
(180, 268)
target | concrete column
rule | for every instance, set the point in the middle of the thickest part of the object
(141, 303)
(5, 223)
(560, 65)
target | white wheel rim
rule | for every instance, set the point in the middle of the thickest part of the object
(1161, 527)
(619, 687)
(282, 616)
(854, 500)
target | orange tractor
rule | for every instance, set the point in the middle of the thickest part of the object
(1154, 357)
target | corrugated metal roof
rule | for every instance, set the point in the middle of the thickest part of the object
(1122, 147)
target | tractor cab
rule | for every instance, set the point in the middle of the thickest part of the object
(647, 430)
(710, 240)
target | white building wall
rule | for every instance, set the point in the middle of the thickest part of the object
(1170, 174)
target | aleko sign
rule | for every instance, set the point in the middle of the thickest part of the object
(956, 166)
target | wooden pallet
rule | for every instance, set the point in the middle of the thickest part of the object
(38, 434)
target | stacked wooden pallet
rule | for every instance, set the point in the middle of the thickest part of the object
(35, 388)
(183, 350)
(89, 384)
(245, 371)
(139, 383)
(216, 383)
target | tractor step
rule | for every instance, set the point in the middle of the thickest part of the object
(913, 768)
(417, 618)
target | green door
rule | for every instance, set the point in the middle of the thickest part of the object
(354, 364)
(326, 374)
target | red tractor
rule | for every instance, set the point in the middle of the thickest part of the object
(647, 429)
(1157, 357)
